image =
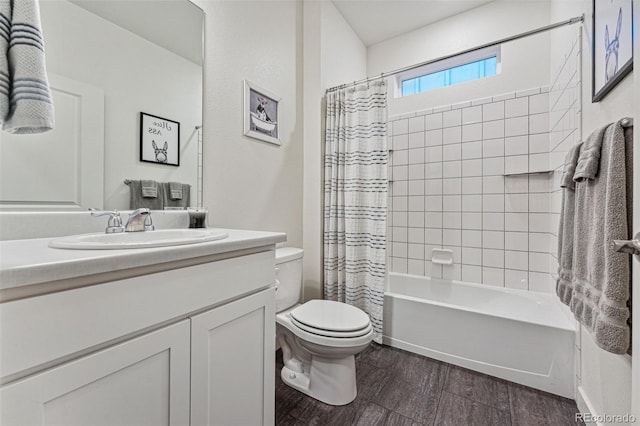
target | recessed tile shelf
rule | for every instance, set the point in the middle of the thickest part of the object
(539, 172)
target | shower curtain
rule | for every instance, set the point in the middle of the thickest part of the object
(355, 198)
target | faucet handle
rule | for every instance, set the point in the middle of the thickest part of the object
(114, 224)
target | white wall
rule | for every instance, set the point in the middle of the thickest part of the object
(333, 54)
(343, 55)
(249, 183)
(525, 63)
(604, 379)
(565, 110)
(136, 75)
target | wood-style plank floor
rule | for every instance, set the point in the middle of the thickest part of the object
(400, 388)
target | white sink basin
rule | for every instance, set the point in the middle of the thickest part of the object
(132, 240)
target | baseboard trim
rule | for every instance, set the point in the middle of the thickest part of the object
(585, 406)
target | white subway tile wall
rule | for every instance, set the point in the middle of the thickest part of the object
(453, 188)
(564, 118)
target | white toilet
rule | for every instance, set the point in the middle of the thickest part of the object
(318, 338)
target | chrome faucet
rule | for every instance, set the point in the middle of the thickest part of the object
(139, 220)
(114, 224)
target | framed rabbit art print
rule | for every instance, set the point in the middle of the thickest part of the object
(159, 140)
(612, 44)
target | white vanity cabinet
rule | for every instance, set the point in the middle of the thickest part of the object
(143, 381)
(190, 345)
(232, 363)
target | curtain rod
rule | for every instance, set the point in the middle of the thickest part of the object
(575, 20)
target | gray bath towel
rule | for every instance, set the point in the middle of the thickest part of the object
(564, 285)
(137, 200)
(601, 276)
(589, 161)
(171, 202)
(26, 104)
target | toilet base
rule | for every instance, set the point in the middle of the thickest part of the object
(332, 381)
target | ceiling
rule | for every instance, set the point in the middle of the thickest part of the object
(175, 25)
(377, 20)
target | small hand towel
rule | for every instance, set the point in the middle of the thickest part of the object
(30, 104)
(589, 161)
(137, 200)
(601, 276)
(175, 189)
(149, 188)
(171, 202)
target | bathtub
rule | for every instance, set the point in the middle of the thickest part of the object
(520, 336)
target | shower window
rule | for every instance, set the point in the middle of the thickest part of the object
(461, 68)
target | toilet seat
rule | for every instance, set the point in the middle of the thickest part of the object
(331, 317)
(313, 335)
(330, 333)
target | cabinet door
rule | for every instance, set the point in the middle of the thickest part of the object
(233, 361)
(143, 381)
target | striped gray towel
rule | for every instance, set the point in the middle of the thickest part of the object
(26, 105)
(5, 31)
(149, 188)
(175, 189)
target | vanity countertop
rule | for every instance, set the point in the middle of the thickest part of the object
(27, 266)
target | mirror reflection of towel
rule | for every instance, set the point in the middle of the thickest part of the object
(175, 190)
(138, 200)
(149, 188)
(169, 195)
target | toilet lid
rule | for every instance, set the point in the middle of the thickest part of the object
(331, 316)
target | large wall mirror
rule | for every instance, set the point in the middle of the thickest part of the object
(107, 62)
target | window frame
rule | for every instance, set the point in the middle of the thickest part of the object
(444, 64)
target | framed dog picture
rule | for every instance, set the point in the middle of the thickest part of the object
(159, 140)
(612, 44)
(261, 114)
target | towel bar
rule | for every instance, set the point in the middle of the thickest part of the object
(626, 122)
(127, 181)
(627, 246)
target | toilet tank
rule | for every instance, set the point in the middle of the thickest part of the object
(289, 276)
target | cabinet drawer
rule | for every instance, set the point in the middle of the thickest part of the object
(42, 331)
